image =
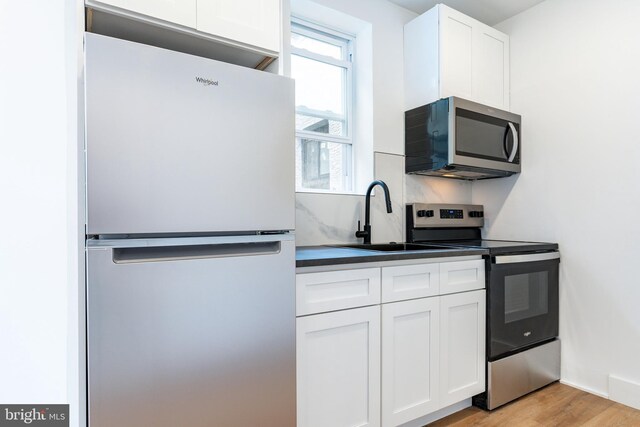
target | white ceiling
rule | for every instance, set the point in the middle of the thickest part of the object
(490, 12)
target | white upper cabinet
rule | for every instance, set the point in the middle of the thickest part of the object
(254, 22)
(456, 54)
(491, 72)
(250, 24)
(450, 54)
(181, 12)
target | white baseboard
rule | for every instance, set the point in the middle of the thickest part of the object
(583, 388)
(441, 413)
(624, 391)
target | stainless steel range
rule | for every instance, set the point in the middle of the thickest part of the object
(523, 349)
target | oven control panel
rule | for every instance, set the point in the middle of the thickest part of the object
(446, 215)
(451, 214)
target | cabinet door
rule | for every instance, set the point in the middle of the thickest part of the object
(181, 12)
(254, 22)
(456, 53)
(491, 67)
(410, 352)
(421, 60)
(461, 276)
(338, 368)
(462, 346)
(474, 60)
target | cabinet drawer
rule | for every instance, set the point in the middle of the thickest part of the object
(410, 281)
(461, 276)
(336, 290)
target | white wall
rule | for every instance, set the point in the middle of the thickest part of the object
(575, 68)
(38, 177)
(387, 21)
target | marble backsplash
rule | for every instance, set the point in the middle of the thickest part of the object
(323, 219)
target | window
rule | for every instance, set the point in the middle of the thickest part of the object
(321, 65)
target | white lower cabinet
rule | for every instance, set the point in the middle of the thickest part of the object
(393, 361)
(338, 368)
(410, 353)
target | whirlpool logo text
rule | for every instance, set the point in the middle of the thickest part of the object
(207, 82)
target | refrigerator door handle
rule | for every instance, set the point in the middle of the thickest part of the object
(185, 252)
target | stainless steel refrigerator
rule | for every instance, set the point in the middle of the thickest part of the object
(190, 250)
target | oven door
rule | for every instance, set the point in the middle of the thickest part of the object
(484, 137)
(522, 301)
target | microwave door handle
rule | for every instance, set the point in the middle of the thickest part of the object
(514, 151)
(504, 142)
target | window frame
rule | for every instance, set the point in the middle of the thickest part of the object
(347, 43)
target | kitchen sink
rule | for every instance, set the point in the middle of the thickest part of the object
(396, 247)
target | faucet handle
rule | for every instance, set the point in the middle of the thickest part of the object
(361, 233)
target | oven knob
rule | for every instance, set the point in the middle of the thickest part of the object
(424, 213)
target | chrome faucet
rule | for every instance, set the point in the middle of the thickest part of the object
(366, 233)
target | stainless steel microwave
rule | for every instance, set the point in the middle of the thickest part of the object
(456, 138)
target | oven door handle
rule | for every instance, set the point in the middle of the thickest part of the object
(511, 259)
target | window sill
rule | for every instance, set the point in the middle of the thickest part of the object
(337, 193)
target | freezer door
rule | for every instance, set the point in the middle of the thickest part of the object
(177, 143)
(192, 335)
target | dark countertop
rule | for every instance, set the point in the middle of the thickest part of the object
(316, 256)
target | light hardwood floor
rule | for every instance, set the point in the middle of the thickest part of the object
(554, 405)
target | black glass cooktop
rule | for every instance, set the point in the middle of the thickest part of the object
(496, 247)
